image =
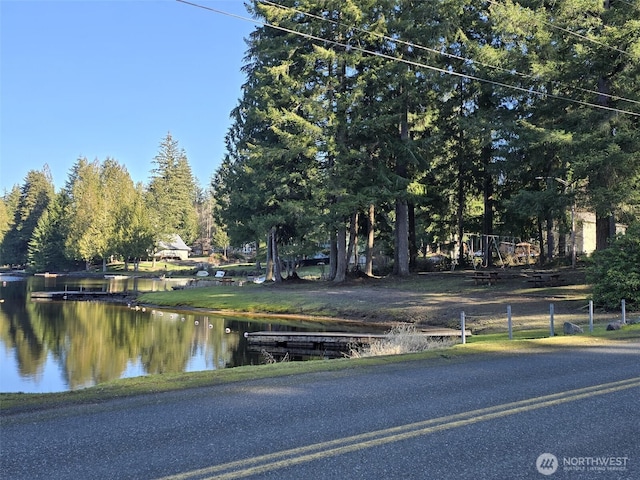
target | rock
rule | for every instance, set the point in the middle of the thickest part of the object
(614, 326)
(571, 328)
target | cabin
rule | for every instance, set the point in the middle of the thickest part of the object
(173, 247)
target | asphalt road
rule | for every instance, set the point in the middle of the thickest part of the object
(475, 418)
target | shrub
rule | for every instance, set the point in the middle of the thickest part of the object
(400, 339)
(615, 271)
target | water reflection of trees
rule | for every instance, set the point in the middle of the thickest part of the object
(94, 342)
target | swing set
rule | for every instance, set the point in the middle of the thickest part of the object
(507, 250)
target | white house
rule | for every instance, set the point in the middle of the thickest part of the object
(586, 232)
(172, 247)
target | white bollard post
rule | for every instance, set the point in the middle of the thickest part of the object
(462, 326)
(624, 311)
(590, 316)
(551, 330)
(509, 322)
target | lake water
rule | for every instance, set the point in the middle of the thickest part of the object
(54, 346)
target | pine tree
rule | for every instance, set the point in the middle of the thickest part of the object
(87, 213)
(8, 206)
(36, 193)
(135, 235)
(172, 192)
(47, 245)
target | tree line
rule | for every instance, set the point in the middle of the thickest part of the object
(100, 214)
(381, 126)
(400, 124)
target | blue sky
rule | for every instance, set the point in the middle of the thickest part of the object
(110, 78)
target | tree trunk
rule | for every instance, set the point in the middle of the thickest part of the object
(550, 240)
(603, 221)
(460, 210)
(401, 253)
(269, 273)
(333, 255)
(277, 273)
(413, 244)
(541, 258)
(487, 218)
(257, 265)
(603, 231)
(370, 237)
(353, 239)
(341, 254)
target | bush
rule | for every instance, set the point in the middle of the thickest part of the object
(400, 339)
(615, 271)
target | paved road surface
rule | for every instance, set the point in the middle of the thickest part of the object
(477, 418)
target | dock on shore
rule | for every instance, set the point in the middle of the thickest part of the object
(78, 295)
(313, 342)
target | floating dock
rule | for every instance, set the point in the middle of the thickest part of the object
(78, 295)
(328, 343)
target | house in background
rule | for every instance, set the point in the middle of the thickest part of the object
(586, 232)
(172, 248)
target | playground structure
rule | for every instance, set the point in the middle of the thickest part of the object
(503, 251)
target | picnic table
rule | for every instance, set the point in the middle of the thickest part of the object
(481, 278)
(541, 279)
(222, 279)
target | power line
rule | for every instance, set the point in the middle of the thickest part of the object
(446, 54)
(409, 62)
(570, 32)
(634, 5)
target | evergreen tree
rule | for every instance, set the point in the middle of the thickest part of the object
(270, 170)
(135, 236)
(581, 55)
(86, 210)
(47, 245)
(8, 207)
(172, 192)
(356, 113)
(36, 193)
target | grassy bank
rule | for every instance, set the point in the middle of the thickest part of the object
(251, 298)
(411, 299)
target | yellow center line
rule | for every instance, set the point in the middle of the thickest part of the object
(340, 446)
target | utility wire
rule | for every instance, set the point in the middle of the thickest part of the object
(566, 30)
(409, 62)
(634, 5)
(446, 54)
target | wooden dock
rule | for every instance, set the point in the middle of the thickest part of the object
(77, 295)
(329, 341)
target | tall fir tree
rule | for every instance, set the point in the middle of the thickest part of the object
(172, 192)
(36, 193)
